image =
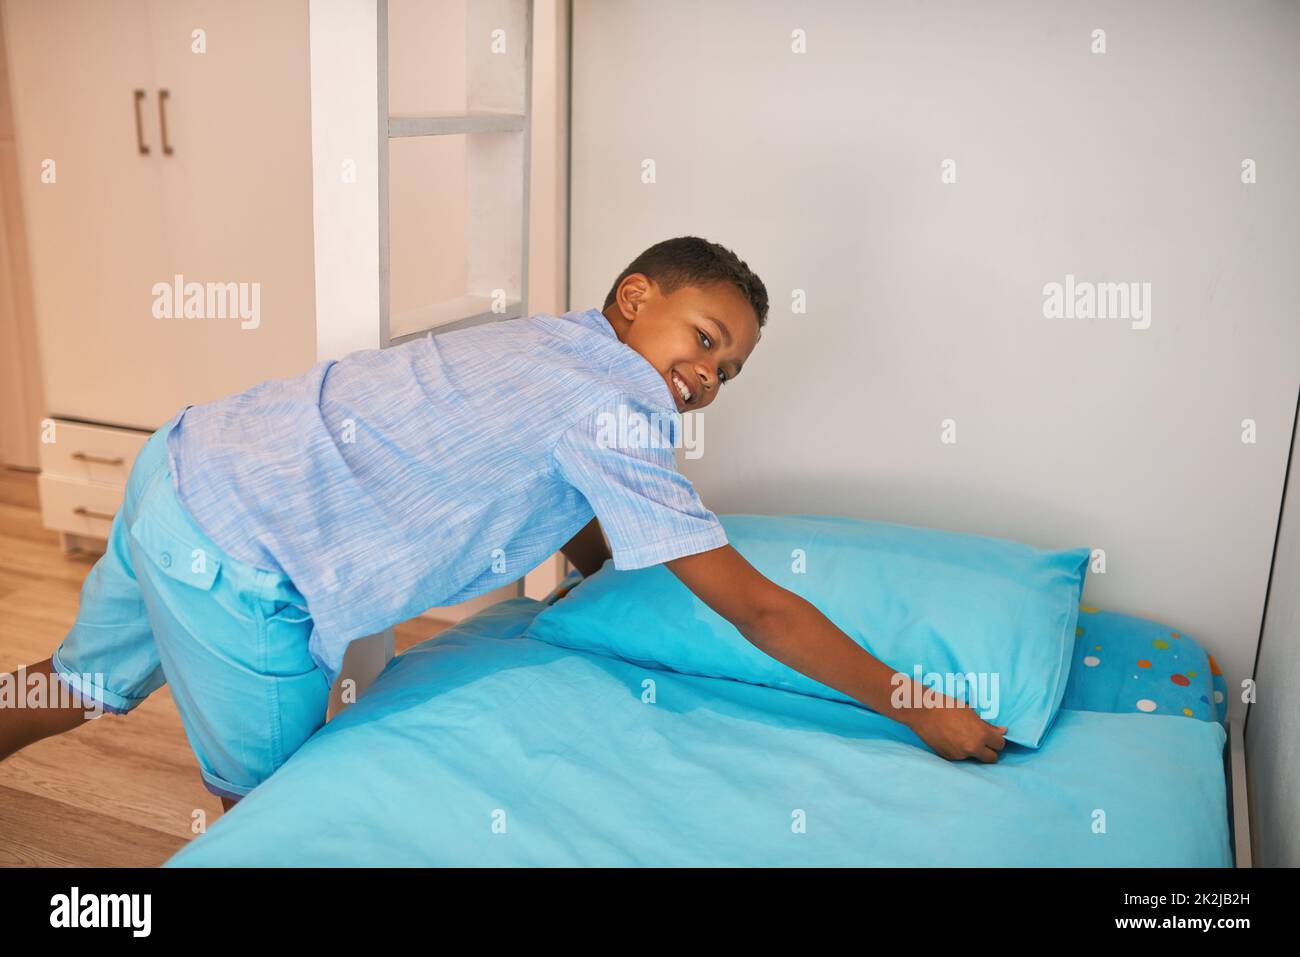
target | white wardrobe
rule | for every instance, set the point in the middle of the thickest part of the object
(157, 139)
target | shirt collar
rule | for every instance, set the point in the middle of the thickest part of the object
(598, 319)
(647, 371)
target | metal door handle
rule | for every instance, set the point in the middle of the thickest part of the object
(163, 96)
(139, 125)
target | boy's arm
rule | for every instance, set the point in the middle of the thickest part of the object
(587, 550)
(792, 630)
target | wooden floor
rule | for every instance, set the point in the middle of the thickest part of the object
(123, 790)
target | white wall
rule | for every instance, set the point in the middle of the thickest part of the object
(822, 170)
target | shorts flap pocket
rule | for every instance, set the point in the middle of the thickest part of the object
(175, 555)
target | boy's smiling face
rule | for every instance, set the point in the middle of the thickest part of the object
(697, 338)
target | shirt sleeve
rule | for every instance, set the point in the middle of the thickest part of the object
(621, 458)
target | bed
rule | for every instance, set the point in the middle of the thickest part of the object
(483, 747)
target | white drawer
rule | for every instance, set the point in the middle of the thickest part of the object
(91, 453)
(83, 508)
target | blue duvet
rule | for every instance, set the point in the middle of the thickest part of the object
(480, 747)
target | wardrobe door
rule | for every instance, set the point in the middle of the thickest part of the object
(92, 196)
(234, 81)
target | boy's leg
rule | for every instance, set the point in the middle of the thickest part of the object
(21, 726)
(107, 661)
(233, 643)
(164, 603)
(238, 666)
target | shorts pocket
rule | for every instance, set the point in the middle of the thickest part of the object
(288, 630)
(174, 555)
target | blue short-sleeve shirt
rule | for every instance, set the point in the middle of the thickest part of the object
(392, 481)
(620, 457)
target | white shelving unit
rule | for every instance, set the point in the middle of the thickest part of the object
(491, 117)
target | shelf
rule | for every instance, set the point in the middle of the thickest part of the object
(442, 124)
(461, 311)
(454, 113)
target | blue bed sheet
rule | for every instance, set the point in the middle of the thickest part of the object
(480, 747)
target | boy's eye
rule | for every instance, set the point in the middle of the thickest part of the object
(704, 337)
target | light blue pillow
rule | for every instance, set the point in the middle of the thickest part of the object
(929, 603)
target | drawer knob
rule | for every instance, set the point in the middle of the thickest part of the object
(87, 457)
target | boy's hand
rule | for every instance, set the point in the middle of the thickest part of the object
(956, 731)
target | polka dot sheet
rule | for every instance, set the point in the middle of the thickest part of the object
(1123, 664)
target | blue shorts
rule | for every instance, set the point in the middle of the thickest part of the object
(165, 604)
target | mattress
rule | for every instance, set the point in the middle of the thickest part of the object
(481, 747)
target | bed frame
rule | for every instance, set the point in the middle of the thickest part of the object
(1264, 765)
(1234, 766)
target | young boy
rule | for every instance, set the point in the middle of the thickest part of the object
(263, 532)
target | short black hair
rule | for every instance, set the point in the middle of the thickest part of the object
(692, 261)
